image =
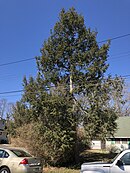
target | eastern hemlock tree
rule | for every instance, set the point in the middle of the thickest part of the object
(71, 66)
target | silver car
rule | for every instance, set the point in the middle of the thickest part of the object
(16, 160)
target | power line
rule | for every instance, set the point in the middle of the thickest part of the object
(19, 91)
(120, 53)
(10, 95)
(24, 60)
(118, 57)
(115, 38)
(16, 62)
(111, 59)
(10, 92)
(125, 76)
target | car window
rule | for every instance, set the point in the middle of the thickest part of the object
(6, 155)
(1, 153)
(126, 159)
(21, 153)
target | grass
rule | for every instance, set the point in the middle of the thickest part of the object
(96, 155)
(86, 156)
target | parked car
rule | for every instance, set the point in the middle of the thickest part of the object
(17, 160)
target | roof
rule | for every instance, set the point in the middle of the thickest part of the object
(123, 127)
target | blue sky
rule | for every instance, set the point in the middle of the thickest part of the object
(25, 24)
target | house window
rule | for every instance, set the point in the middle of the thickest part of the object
(124, 141)
(117, 141)
(112, 141)
(128, 141)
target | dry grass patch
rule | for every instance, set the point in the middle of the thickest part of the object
(60, 170)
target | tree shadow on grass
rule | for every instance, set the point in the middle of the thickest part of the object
(93, 156)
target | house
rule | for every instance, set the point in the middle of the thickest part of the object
(121, 138)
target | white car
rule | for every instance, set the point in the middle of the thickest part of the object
(120, 164)
(16, 160)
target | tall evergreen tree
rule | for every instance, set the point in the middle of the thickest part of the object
(71, 67)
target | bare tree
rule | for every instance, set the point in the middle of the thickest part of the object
(5, 108)
(126, 106)
(3, 103)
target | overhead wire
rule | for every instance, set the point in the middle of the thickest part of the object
(28, 59)
(16, 62)
(10, 92)
(120, 53)
(22, 90)
(115, 38)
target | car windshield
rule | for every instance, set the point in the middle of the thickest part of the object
(21, 153)
(112, 160)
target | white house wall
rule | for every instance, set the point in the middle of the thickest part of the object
(96, 144)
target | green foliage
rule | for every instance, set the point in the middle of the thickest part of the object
(53, 132)
(102, 112)
(69, 91)
(72, 50)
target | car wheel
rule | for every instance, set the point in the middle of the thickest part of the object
(4, 170)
